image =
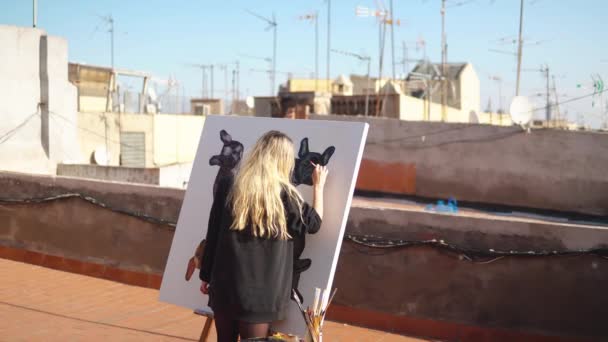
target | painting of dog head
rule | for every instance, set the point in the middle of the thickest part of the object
(229, 157)
(231, 152)
(304, 168)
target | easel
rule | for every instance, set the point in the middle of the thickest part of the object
(208, 323)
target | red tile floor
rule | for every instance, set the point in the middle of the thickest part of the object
(42, 304)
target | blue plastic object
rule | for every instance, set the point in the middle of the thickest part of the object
(450, 207)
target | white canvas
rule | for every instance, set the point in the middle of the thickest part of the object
(323, 248)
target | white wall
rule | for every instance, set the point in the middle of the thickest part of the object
(176, 138)
(41, 138)
(63, 105)
(415, 109)
(175, 176)
(470, 96)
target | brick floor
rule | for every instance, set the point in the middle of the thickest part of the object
(42, 304)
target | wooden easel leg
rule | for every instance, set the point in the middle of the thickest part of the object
(206, 329)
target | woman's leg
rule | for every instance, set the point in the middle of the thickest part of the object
(227, 328)
(252, 330)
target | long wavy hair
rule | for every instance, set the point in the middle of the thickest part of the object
(262, 178)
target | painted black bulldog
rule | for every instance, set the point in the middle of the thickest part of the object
(229, 157)
(303, 175)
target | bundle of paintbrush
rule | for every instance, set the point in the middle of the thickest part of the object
(315, 315)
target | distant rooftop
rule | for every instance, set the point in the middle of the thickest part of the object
(434, 69)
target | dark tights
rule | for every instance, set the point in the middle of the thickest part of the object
(228, 329)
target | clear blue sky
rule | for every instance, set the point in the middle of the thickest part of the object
(162, 36)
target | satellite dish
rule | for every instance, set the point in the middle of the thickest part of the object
(101, 156)
(521, 110)
(249, 102)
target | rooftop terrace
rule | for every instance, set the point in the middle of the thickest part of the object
(43, 304)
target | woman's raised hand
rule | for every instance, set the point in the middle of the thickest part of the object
(319, 176)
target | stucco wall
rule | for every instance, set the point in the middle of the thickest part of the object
(170, 138)
(307, 84)
(74, 228)
(34, 71)
(176, 138)
(93, 134)
(175, 176)
(470, 91)
(494, 119)
(415, 109)
(562, 296)
(171, 176)
(92, 103)
(412, 109)
(551, 296)
(545, 169)
(103, 129)
(111, 173)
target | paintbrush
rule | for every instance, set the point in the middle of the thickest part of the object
(315, 305)
(307, 318)
(327, 306)
(324, 298)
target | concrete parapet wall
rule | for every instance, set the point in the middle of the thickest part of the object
(161, 203)
(473, 230)
(546, 169)
(111, 173)
(558, 296)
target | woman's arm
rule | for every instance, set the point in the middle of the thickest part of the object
(318, 180)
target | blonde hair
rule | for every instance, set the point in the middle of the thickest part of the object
(256, 194)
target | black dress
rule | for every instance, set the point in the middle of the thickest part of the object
(250, 278)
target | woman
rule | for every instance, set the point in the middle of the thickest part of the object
(247, 266)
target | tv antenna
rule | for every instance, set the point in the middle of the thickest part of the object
(272, 24)
(204, 68)
(109, 21)
(361, 58)
(270, 67)
(314, 17)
